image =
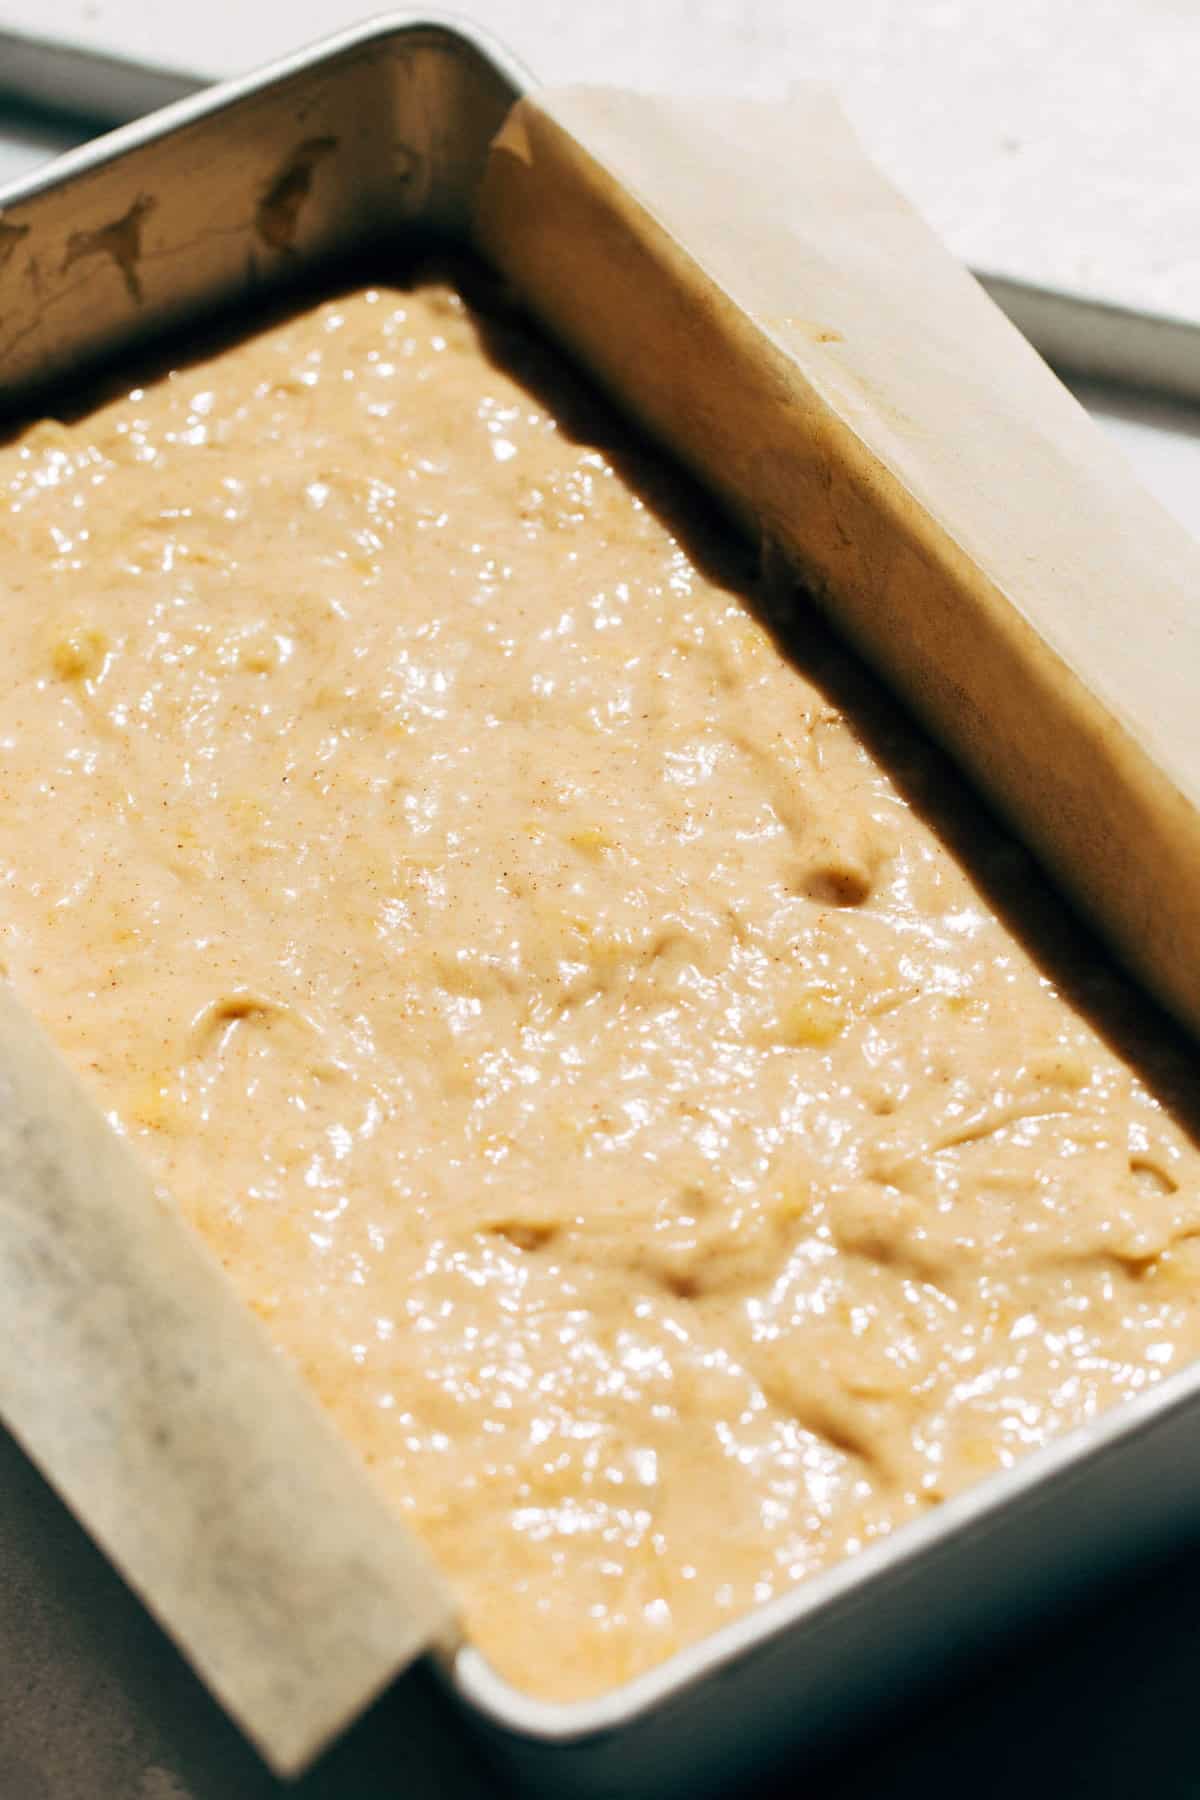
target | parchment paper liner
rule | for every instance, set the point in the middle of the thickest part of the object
(748, 285)
(145, 1391)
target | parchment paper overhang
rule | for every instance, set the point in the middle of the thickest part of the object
(744, 281)
(135, 1378)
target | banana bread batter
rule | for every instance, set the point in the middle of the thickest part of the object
(601, 1047)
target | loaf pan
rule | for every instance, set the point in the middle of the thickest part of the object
(212, 206)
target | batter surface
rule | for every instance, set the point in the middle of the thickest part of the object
(593, 1042)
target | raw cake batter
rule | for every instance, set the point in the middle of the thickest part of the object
(580, 1040)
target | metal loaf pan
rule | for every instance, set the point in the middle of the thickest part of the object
(213, 205)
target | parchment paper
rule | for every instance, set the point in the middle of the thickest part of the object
(754, 290)
(134, 1377)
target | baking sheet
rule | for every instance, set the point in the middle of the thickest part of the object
(30, 137)
(1161, 438)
